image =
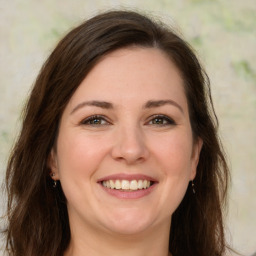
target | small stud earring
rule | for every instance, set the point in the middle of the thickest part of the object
(193, 187)
(52, 174)
(54, 184)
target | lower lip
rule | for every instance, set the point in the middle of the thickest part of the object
(129, 194)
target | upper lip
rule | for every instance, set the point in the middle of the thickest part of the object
(129, 177)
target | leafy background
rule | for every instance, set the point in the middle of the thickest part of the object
(223, 32)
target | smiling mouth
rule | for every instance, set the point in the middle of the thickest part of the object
(126, 185)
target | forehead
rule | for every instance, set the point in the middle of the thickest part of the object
(132, 73)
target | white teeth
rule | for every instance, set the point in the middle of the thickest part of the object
(134, 185)
(140, 184)
(126, 184)
(145, 183)
(118, 184)
(112, 184)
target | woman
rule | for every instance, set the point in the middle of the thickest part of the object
(118, 152)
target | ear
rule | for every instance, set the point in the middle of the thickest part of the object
(198, 144)
(52, 163)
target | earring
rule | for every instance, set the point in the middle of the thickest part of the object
(54, 181)
(193, 187)
(54, 184)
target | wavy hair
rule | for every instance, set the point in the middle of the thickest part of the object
(37, 214)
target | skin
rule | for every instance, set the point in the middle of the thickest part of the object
(128, 139)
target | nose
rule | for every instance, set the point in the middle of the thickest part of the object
(130, 146)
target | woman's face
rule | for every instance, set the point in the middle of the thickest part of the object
(125, 152)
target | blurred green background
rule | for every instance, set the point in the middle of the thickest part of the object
(223, 34)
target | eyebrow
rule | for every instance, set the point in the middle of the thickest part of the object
(95, 103)
(159, 103)
(108, 105)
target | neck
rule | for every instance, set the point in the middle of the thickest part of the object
(97, 243)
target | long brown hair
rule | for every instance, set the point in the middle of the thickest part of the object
(37, 214)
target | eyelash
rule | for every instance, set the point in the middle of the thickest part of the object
(99, 118)
(89, 120)
(165, 119)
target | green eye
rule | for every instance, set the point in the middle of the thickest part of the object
(158, 121)
(95, 120)
(161, 120)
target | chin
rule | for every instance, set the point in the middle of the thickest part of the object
(129, 222)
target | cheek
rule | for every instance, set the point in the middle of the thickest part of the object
(175, 162)
(79, 155)
(78, 159)
(175, 153)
